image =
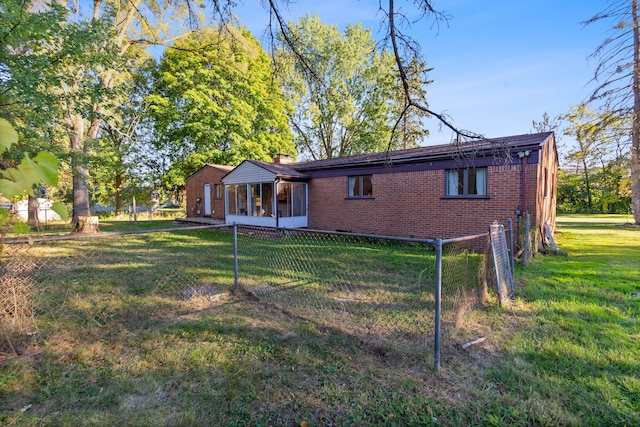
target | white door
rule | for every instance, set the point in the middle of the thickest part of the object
(207, 199)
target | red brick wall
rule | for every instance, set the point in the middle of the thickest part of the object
(195, 189)
(412, 204)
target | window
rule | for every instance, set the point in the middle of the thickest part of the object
(299, 192)
(267, 199)
(256, 200)
(284, 199)
(231, 194)
(360, 186)
(292, 199)
(241, 199)
(466, 182)
(218, 191)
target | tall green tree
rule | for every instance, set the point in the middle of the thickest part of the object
(582, 126)
(344, 95)
(121, 135)
(409, 129)
(97, 46)
(29, 59)
(215, 101)
(599, 156)
(617, 77)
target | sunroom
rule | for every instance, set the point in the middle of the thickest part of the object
(266, 194)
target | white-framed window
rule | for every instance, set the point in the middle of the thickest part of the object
(257, 199)
(466, 182)
(360, 186)
(292, 199)
(218, 191)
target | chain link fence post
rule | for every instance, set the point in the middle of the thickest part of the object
(527, 241)
(235, 256)
(512, 258)
(438, 301)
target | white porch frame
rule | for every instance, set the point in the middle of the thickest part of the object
(274, 220)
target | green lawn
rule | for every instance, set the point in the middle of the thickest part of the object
(106, 225)
(119, 348)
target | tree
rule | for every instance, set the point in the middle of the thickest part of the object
(90, 87)
(215, 101)
(617, 77)
(28, 60)
(600, 158)
(582, 126)
(548, 124)
(408, 129)
(116, 148)
(346, 105)
(95, 50)
(395, 21)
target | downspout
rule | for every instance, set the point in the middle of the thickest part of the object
(523, 182)
(522, 210)
(275, 202)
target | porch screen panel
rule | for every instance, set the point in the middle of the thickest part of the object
(241, 199)
(267, 198)
(231, 197)
(284, 199)
(255, 200)
(299, 199)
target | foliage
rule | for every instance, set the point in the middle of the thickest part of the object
(215, 101)
(609, 191)
(116, 174)
(344, 94)
(79, 58)
(29, 59)
(601, 159)
(19, 179)
(617, 77)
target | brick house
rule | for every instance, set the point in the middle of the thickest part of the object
(205, 192)
(426, 192)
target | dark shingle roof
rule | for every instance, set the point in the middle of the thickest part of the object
(434, 152)
(280, 169)
(481, 148)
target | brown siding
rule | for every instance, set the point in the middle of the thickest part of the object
(195, 189)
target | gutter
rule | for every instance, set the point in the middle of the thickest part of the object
(524, 155)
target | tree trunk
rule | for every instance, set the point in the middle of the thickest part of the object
(587, 183)
(118, 191)
(87, 225)
(635, 134)
(80, 177)
(32, 211)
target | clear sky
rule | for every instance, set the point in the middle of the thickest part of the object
(498, 64)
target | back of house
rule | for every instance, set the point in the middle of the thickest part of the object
(436, 191)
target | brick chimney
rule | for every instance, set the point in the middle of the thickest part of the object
(283, 159)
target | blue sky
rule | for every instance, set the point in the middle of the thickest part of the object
(498, 64)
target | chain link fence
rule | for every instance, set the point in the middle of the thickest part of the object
(382, 290)
(392, 293)
(109, 280)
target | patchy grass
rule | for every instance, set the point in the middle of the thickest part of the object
(576, 352)
(120, 347)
